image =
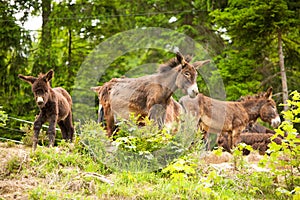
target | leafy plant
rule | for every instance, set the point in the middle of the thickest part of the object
(180, 169)
(284, 159)
(27, 138)
(238, 158)
(141, 139)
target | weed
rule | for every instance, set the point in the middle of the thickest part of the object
(238, 158)
(12, 166)
(27, 139)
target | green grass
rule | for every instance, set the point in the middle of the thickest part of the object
(95, 167)
(71, 172)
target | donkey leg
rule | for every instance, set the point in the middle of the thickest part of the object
(158, 113)
(37, 125)
(110, 121)
(230, 143)
(68, 123)
(52, 130)
(63, 129)
(235, 137)
(206, 140)
(204, 129)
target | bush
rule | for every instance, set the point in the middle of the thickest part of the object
(284, 159)
(138, 148)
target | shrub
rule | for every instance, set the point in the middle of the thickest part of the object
(138, 148)
(284, 159)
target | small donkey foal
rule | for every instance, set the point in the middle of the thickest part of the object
(55, 106)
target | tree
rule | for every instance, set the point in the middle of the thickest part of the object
(257, 25)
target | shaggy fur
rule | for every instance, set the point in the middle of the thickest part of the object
(258, 141)
(257, 128)
(225, 116)
(55, 107)
(148, 95)
(173, 111)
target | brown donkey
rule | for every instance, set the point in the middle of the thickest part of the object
(55, 107)
(148, 95)
(254, 127)
(232, 117)
(258, 141)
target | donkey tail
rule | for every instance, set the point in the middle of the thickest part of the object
(100, 114)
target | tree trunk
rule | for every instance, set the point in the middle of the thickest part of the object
(283, 73)
(46, 31)
(43, 62)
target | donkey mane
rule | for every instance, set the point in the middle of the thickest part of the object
(170, 64)
(252, 97)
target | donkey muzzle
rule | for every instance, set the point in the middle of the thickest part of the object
(193, 90)
(275, 122)
(40, 101)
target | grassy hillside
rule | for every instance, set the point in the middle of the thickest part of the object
(69, 171)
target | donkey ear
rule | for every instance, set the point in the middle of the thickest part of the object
(268, 94)
(199, 64)
(49, 75)
(29, 79)
(180, 58)
(96, 89)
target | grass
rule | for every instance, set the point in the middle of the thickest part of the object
(94, 167)
(71, 172)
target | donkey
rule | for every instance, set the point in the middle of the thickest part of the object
(173, 112)
(229, 116)
(258, 141)
(148, 95)
(55, 107)
(254, 127)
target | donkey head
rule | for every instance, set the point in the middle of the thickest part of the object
(186, 79)
(268, 111)
(40, 87)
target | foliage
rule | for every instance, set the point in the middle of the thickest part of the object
(284, 160)
(237, 152)
(143, 148)
(251, 28)
(73, 170)
(43, 136)
(92, 136)
(11, 167)
(239, 35)
(29, 132)
(238, 71)
(180, 169)
(140, 139)
(3, 117)
(73, 29)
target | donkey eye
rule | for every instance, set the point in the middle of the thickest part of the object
(187, 74)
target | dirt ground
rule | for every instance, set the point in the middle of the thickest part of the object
(14, 187)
